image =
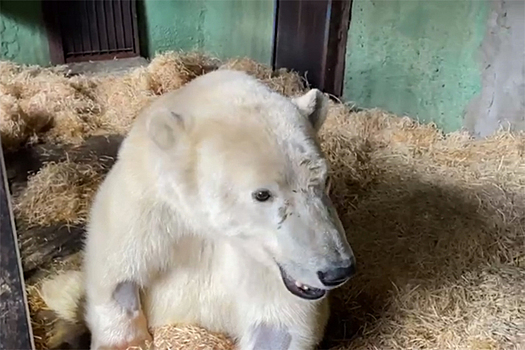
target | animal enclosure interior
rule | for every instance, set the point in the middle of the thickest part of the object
(436, 220)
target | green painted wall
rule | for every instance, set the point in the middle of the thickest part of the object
(419, 58)
(222, 28)
(22, 36)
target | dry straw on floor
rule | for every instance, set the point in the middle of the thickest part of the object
(437, 221)
(58, 193)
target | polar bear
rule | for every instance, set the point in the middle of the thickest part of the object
(216, 213)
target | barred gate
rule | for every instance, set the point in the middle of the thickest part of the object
(83, 30)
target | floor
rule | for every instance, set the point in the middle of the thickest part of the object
(115, 66)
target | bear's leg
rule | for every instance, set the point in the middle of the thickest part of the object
(272, 337)
(266, 337)
(116, 318)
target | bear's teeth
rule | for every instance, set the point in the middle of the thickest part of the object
(302, 286)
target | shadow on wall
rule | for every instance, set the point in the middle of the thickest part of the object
(27, 12)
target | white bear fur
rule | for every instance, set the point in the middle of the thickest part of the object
(168, 217)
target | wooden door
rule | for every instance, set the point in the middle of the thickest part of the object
(310, 37)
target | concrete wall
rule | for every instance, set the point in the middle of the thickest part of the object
(459, 64)
(416, 57)
(502, 62)
(223, 28)
(22, 36)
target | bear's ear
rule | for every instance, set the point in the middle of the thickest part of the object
(313, 105)
(164, 127)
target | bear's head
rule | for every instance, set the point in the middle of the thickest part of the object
(243, 163)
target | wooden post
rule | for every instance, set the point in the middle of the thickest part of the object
(15, 324)
(310, 38)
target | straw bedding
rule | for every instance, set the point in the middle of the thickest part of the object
(437, 221)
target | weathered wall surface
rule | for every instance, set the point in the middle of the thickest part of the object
(22, 36)
(226, 28)
(459, 64)
(502, 98)
(416, 57)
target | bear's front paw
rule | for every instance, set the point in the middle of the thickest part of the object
(140, 343)
(137, 337)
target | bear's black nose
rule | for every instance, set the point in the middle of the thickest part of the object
(337, 275)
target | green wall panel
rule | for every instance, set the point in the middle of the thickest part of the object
(419, 58)
(222, 28)
(22, 35)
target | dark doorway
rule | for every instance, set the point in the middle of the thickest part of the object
(85, 30)
(310, 38)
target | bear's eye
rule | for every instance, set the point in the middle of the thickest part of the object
(262, 195)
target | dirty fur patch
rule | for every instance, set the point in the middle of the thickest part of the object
(435, 220)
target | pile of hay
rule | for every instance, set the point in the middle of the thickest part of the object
(437, 221)
(438, 226)
(59, 192)
(45, 105)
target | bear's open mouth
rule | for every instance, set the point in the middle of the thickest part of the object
(299, 289)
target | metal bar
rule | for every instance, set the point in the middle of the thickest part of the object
(75, 24)
(110, 25)
(94, 25)
(127, 19)
(119, 25)
(84, 25)
(91, 25)
(15, 324)
(102, 24)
